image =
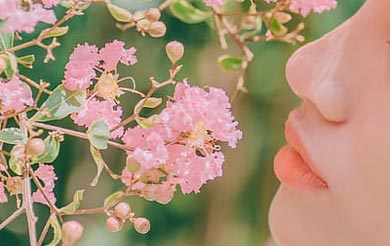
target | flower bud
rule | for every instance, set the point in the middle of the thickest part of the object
(132, 165)
(142, 225)
(143, 26)
(35, 147)
(72, 231)
(113, 224)
(157, 29)
(122, 210)
(175, 51)
(153, 14)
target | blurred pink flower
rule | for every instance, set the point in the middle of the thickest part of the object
(79, 71)
(94, 110)
(47, 175)
(50, 3)
(304, 7)
(213, 2)
(14, 95)
(3, 196)
(20, 20)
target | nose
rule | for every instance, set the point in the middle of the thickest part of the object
(312, 73)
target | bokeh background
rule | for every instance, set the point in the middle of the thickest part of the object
(230, 211)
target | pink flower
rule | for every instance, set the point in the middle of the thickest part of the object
(50, 3)
(79, 71)
(20, 20)
(3, 196)
(47, 175)
(213, 2)
(114, 52)
(14, 95)
(304, 7)
(94, 110)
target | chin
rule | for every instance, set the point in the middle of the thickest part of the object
(301, 219)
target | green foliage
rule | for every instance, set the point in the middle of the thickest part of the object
(119, 14)
(98, 134)
(75, 204)
(52, 149)
(230, 63)
(13, 136)
(98, 159)
(57, 233)
(187, 12)
(113, 199)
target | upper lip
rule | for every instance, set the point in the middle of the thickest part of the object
(295, 141)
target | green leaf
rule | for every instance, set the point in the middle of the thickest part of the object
(3, 161)
(57, 32)
(57, 233)
(188, 13)
(75, 204)
(148, 122)
(276, 28)
(230, 63)
(26, 61)
(119, 14)
(11, 64)
(113, 199)
(81, 5)
(98, 134)
(15, 162)
(151, 102)
(52, 149)
(6, 40)
(97, 157)
(13, 136)
(60, 104)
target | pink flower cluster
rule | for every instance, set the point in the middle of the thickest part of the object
(304, 7)
(18, 19)
(83, 67)
(14, 95)
(46, 174)
(85, 59)
(182, 147)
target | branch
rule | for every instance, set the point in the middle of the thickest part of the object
(12, 217)
(27, 204)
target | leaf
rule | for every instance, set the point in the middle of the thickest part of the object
(52, 149)
(113, 199)
(187, 13)
(6, 40)
(98, 134)
(3, 162)
(97, 157)
(119, 14)
(12, 136)
(60, 104)
(57, 233)
(230, 63)
(26, 61)
(11, 64)
(75, 204)
(57, 32)
(17, 161)
(81, 5)
(277, 28)
(151, 102)
(148, 122)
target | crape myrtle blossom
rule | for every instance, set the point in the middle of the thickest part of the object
(14, 95)
(94, 110)
(50, 3)
(304, 7)
(3, 196)
(18, 19)
(46, 174)
(182, 146)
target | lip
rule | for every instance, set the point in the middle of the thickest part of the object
(292, 165)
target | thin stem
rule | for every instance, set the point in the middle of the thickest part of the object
(87, 211)
(34, 84)
(76, 134)
(45, 230)
(53, 208)
(12, 217)
(27, 203)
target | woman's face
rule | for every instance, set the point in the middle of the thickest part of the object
(335, 171)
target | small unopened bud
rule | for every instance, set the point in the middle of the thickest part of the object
(132, 165)
(142, 225)
(153, 14)
(157, 29)
(143, 25)
(122, 210)
(35, 147)
(113, 224)
(72, 231)
(175, 51)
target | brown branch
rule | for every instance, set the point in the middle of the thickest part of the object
(12, 217)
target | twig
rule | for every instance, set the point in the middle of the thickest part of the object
(53, 208)
(12, 217)
(45, 230)
(30, 216)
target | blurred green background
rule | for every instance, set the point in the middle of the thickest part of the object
(230, 211)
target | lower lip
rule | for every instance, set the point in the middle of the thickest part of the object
(292, 171)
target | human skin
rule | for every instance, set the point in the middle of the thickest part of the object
(343, 125)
